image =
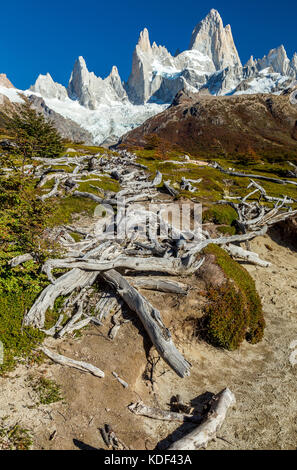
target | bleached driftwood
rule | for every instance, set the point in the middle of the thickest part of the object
(158, 179)
(205, 432)
(165, 415)
(151, 320)
(170, 189)
(225, 240)
(250, 256)
(53, 192)
(172, 266)
(121, 381)
(107, 304)
(63, 286)
(20, 260)
(67, 361)
(162, 285)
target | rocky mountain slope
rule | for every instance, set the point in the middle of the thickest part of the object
(264, 125)
(108, 107)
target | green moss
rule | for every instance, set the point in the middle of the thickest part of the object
(226, 229)
(220, 214)
(234, 307)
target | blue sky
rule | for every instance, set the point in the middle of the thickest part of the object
(47, 36)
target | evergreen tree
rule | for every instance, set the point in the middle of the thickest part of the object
(32, 135)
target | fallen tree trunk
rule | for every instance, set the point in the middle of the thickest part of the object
(165, 415)
(225, 240)
(239, 252)
(172, 266)
(151, 320)
(200, 437)
(162, 285)
(67, 361)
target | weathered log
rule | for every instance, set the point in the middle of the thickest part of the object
(162, 285)
(95, 198)
(67, 361)
(170, 189)
(53, 330)
(239, 252)
(151, 320)
(225, 240)
(20, 259)
(67, 283)
(205, 432)
(172, 266)
(158, 179)
(164, 415)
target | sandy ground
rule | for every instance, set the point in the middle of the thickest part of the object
(261, 376)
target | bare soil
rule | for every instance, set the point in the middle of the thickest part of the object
(261, 376)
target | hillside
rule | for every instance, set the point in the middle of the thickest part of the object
(231, 126)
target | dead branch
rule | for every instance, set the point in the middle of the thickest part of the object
(205, 432)
(164, 415)
(67, 361)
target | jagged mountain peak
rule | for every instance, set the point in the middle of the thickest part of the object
(48, 88)
(277, 59)
(144, 40)
(212, 39)
(4, 81)
(211, 64)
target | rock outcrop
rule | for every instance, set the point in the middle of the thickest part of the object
(67, 128)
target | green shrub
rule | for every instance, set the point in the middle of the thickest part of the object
(226, 317)
(234, 311)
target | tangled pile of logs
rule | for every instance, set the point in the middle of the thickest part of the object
(116, 260)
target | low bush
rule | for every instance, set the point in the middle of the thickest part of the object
(234, 311)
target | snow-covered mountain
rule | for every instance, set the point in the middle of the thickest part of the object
(108, 108)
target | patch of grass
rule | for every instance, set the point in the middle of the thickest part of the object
(105, 184)
(48, 391)
(15, 438)
(235, 309)
(67, 207)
